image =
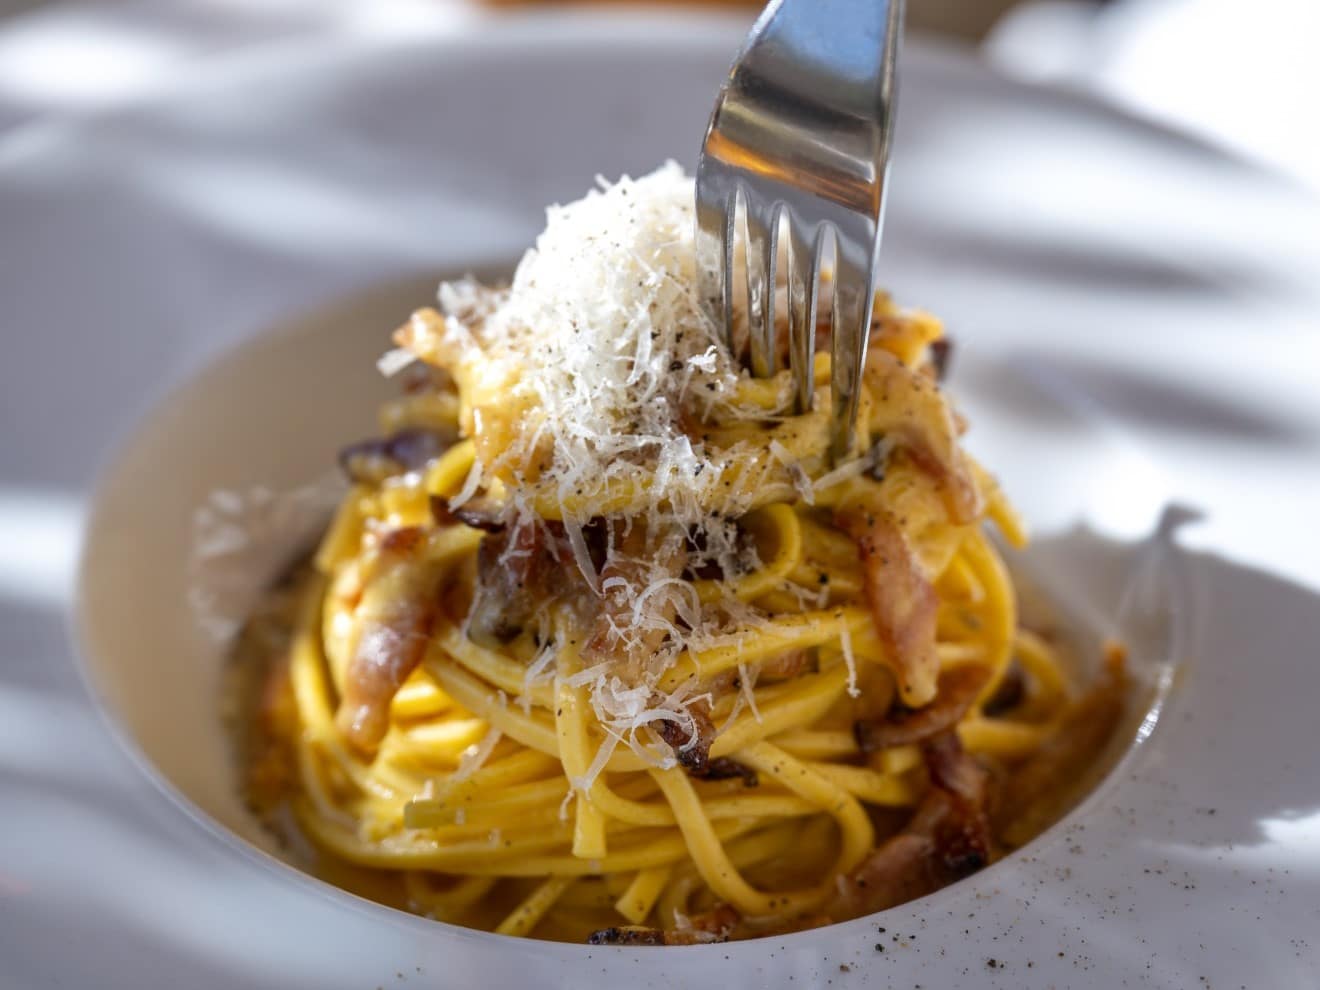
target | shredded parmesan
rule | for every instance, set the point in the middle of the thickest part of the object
(603, 754)
(395, 360)
(586, 383)
(845, 642)
(747, 682)
(849, 469)
(602, 343)
(801, 480)
(470, 486)
(537, 671)
(475, 756)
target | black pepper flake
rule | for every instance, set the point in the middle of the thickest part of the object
(879, 947)
(675, 365)
(992, 963)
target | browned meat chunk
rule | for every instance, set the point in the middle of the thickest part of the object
(512, 575)
(914, 416)
(639, 560)
(691, 744)
(947, 838)
(900, 596)
(395, 614)
(372, 461)
(957, 692)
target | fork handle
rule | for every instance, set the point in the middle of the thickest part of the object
(830, 86)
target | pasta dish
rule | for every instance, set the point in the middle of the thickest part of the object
(602, 645)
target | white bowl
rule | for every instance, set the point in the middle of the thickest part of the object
(244, 450)
(269, 416)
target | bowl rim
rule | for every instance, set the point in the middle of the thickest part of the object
(78, 628)
(515, 34)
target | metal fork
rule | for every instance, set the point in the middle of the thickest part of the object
(801, 130)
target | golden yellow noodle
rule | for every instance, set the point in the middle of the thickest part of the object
(489, 795)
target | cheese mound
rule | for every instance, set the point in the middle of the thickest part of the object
(607, 416)
(589, 389)
(587, 370)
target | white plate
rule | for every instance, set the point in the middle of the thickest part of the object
(1098, 317)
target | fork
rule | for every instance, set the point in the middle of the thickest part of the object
(800, 134)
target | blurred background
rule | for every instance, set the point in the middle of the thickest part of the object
(1241, 75)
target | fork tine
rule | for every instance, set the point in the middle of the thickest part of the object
(854, 294)
(762, 261)
(805, 119)
(715, 217)
(803, 292)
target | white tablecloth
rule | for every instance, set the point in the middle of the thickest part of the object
(1243, 75)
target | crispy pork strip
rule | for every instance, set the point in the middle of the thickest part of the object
(395, 614)
(913, 415)
(691, 746)
(521, 569)
(901, 596)
(512, 566)
(638, 560)
(957, 692)
(786, 666)
(947, 838)
(370, 462)
(476, 512)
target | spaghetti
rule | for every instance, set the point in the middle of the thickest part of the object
(601, 644)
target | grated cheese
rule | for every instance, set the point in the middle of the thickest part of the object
(845, 641)
(747, 683)
(583, 379)
(605, 343)
(474, 757)
(849, 469)
(394, 361)
(801, 480)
